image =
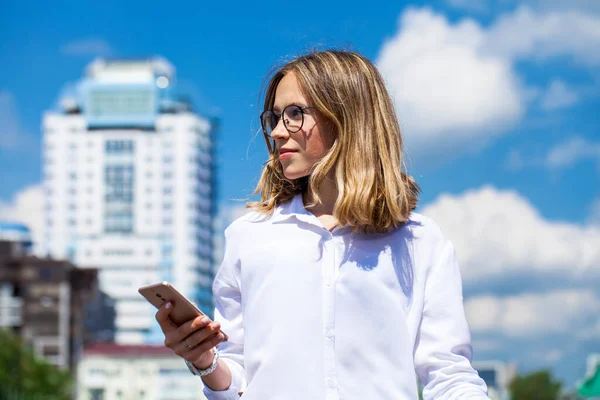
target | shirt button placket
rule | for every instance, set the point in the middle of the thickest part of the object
(329, 267)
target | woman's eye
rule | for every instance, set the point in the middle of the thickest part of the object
(295, 113)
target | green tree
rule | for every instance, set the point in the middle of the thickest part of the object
(24, 376)
(538, 385)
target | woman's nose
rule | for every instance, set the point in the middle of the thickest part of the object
(280, 131)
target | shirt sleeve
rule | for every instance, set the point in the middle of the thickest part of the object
(443, 346)
(228, 312)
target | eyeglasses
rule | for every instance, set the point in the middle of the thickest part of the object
(293, 119)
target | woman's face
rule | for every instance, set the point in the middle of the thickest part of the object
(298, 151)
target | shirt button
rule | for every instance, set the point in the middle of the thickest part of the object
(330, 383)
(330, 334)
(328, 284)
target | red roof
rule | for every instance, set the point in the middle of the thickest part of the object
(118, 350)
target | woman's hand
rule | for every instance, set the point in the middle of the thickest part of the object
(192, 340)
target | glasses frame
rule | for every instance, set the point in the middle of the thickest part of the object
(268, 137)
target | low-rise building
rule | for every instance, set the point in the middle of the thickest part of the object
(497, 376)
(44, 302)
(140, 372)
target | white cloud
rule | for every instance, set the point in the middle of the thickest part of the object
(498, 234)
(455, 85)
(27, 208)
(573, 150)
(588, 6)
(526, 34)
(558, 95)
(87, 47)
(442, 83)
(530, 315)
(12, 135)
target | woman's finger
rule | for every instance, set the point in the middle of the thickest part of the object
(197, 337)
(162, 317)
(193, 325)
(197, 352)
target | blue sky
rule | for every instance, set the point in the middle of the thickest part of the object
(498, 102)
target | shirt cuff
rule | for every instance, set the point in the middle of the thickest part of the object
(232, 392)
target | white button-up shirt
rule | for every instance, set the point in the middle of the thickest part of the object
(313, 314)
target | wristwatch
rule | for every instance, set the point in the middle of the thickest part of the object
(203, 372)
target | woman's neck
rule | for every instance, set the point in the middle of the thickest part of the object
(327, 193)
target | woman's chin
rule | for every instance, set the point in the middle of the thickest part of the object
(292, 175)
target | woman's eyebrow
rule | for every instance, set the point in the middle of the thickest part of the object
(295, 103)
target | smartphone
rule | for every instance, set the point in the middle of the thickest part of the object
(184, 310)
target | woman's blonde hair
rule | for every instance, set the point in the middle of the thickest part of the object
(374, 192)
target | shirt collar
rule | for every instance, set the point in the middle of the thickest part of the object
(293, 208)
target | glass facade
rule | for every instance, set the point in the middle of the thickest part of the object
(119, 183)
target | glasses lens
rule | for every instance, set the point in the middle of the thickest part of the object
(268, 120)
(293, 118)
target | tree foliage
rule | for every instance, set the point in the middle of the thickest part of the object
(537, 385)
(25, 376)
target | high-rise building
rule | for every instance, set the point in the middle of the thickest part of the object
(128, 175)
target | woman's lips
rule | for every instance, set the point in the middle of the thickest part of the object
(285, 153)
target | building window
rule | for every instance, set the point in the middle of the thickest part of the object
(119, 146)
(118, 222)
(119, 183)
(96, 394)
(118, 252)
(118, 215)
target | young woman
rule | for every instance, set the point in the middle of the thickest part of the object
(332, 287)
